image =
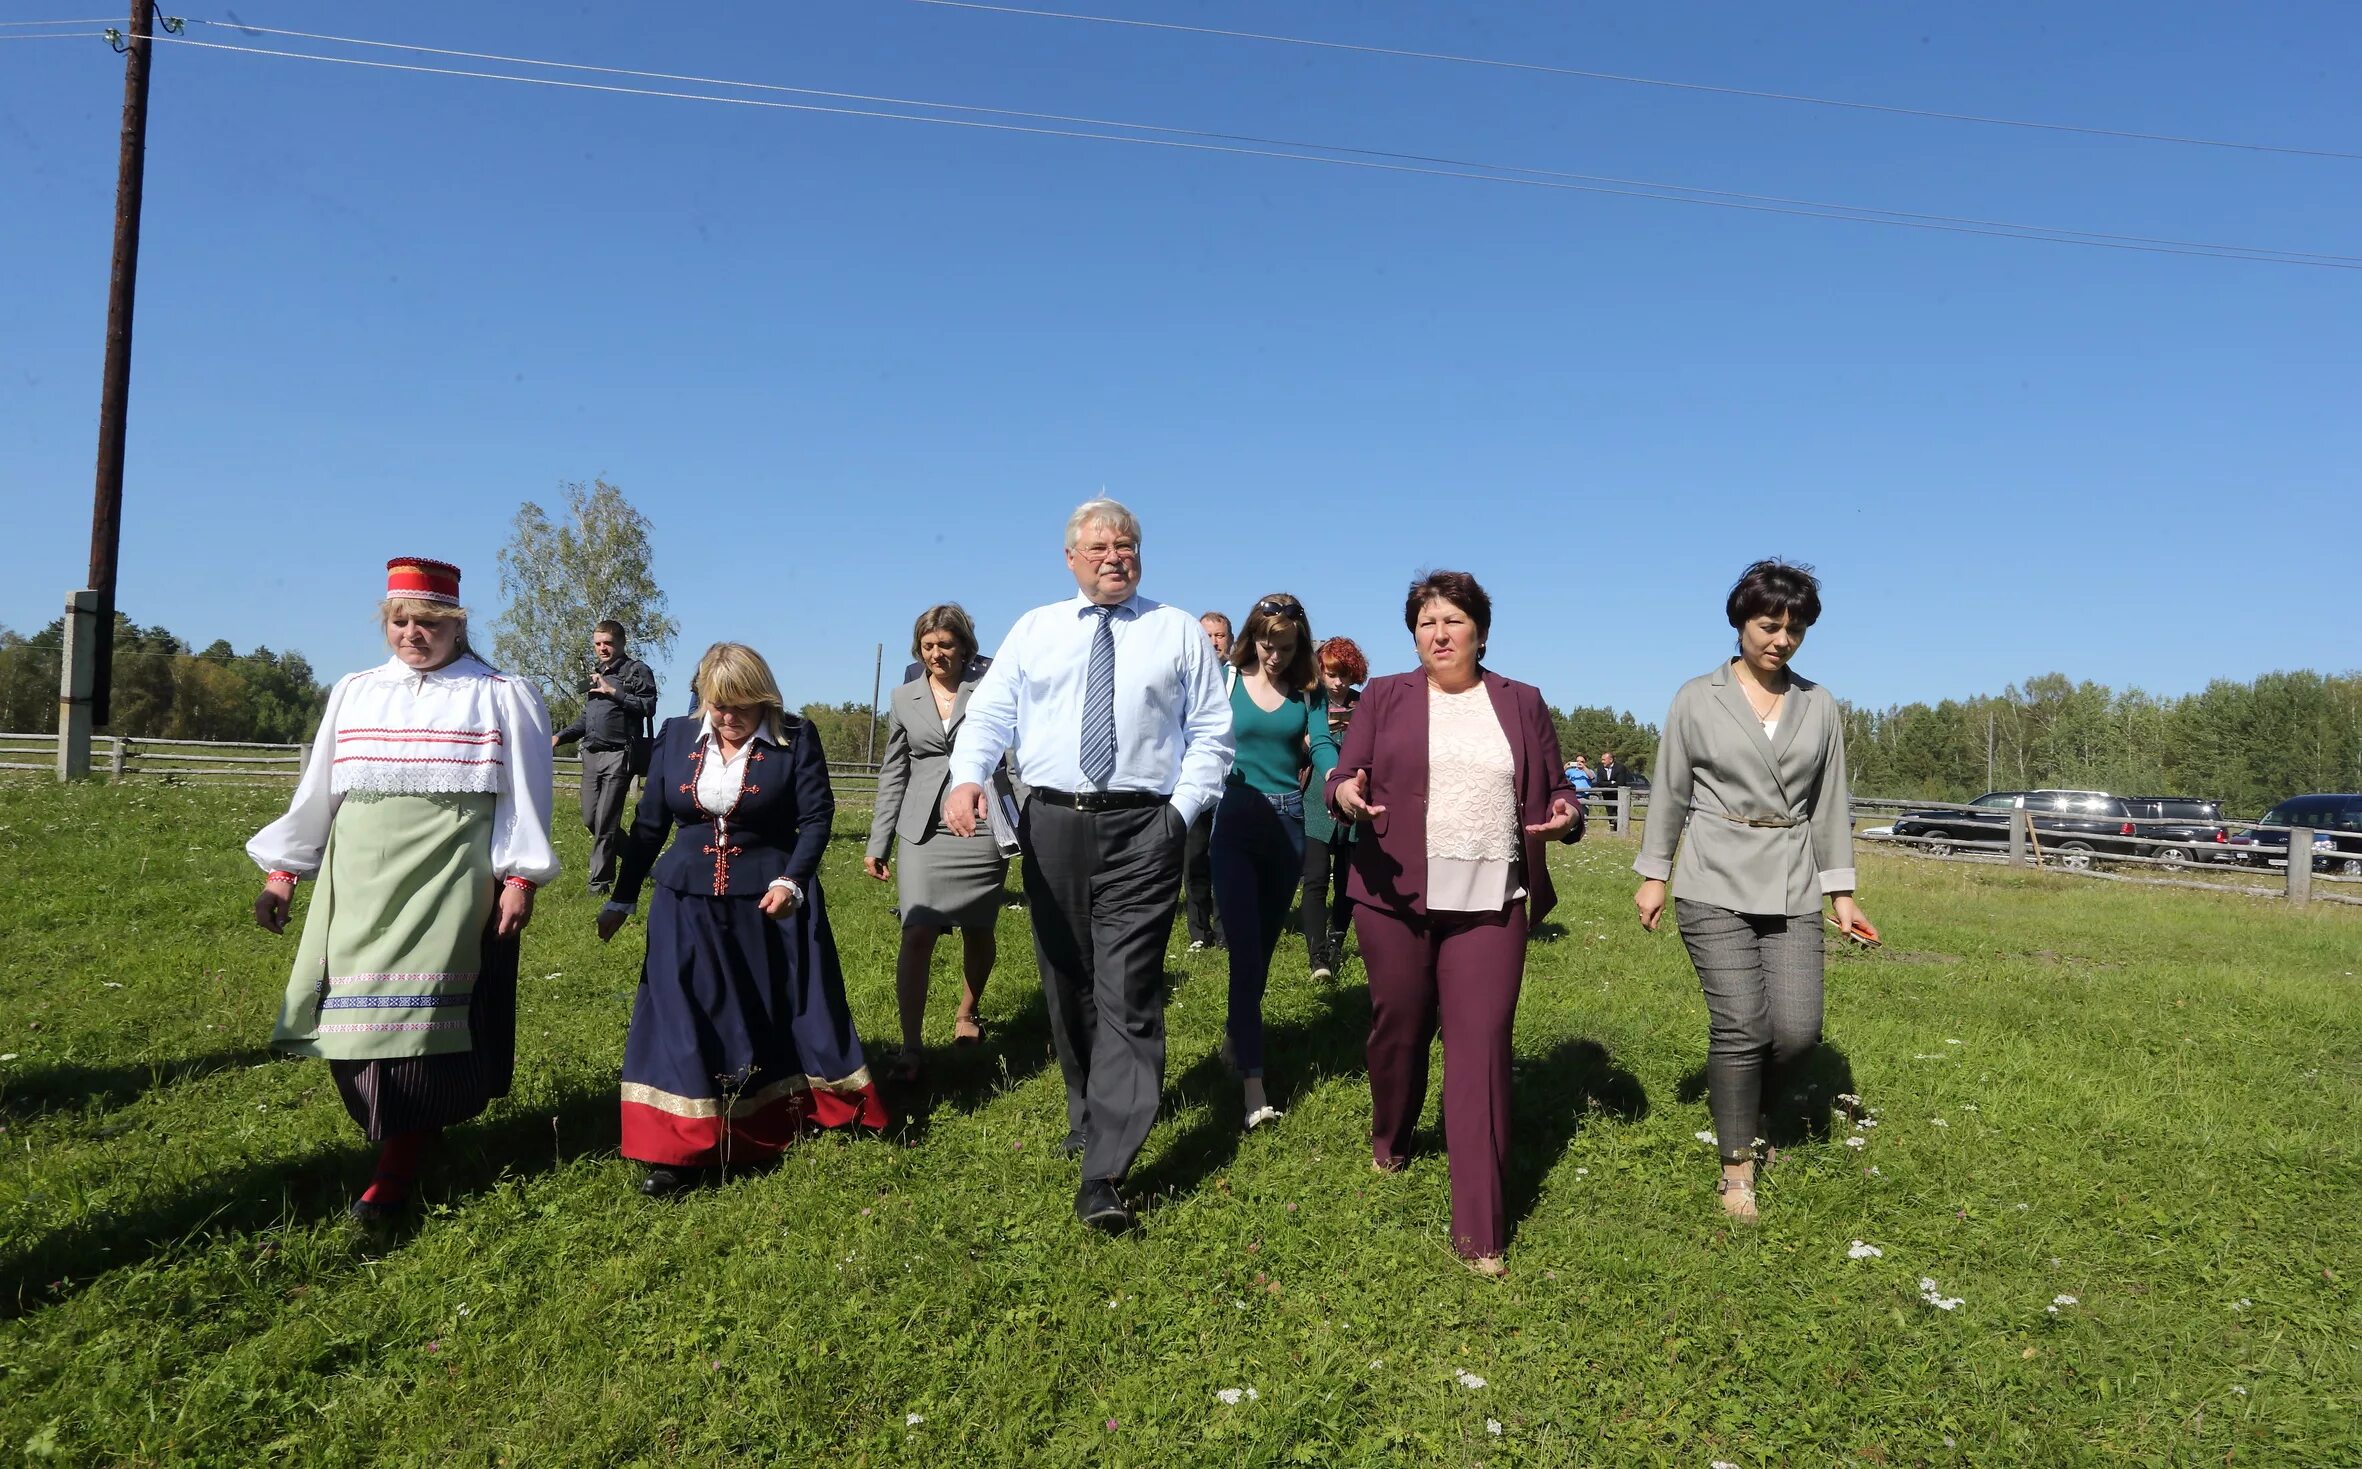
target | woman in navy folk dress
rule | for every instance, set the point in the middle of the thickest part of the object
(740, 1035)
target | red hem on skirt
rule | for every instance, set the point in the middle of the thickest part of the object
(652, 1135)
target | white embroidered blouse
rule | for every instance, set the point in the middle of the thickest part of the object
(461, 728)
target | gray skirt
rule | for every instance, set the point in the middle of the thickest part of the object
(950, 881)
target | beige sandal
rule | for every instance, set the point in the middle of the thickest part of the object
(1738, 1199)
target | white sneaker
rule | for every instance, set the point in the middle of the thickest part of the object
(1262, 1115)
(1323, 974)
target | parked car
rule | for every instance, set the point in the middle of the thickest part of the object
(2336, 821)
(2073, 828)
(2191, 829)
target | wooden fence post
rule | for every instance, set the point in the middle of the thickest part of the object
(1621, 821)
(2020, 825)
(119, 760)
(2300, 865)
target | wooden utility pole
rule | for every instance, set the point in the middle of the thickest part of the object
(106, 510)
(877, 676)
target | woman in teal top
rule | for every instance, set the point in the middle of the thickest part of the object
(1279, 722)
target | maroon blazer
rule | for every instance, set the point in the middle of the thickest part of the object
(1388, 738)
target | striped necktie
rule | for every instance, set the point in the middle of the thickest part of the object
(1098, 744)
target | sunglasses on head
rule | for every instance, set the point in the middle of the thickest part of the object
(1278, 607)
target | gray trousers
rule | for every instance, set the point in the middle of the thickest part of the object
(606, 785)
(1762, 978)
(1102, 887)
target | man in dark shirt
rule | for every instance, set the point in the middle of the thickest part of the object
(1609, 774)
(618, 702)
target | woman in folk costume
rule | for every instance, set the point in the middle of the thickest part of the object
(740, 1034)
(423, 816)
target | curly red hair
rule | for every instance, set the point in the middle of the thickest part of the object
(1343, 657)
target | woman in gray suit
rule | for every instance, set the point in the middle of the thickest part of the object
(948, 881)
(1750, 785)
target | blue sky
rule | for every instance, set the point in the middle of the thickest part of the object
(853, 367)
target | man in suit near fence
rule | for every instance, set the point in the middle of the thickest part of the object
(618, 702)
(1121, 725)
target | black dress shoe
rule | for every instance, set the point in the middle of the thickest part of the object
(661, 1183)
(1098, 1204)
(1071, 1146)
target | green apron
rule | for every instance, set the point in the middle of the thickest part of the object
(394, 938)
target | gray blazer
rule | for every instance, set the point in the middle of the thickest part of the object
(917, 768)
(1715, 763)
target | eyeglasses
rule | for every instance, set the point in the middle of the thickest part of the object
(1279, 607)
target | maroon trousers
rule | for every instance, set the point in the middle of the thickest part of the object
(1463, 969)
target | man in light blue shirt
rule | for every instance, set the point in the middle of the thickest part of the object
(1117, 713)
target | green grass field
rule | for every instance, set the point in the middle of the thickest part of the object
(2143, 1099)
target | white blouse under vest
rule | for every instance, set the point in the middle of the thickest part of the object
(458, 729)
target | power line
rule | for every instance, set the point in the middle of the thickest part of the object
(1835, 209)
(1641, 81)
(10, 25)
(1500, 174)
(59, 36)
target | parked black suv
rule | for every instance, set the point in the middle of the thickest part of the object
(2192, 830)
(2336, 821)
(2071, 827)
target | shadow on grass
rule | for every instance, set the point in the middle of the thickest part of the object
(70, 1088)
(473, 1158)
(965, 1079)
(1302, 1053)
(1806, 1097)
(1552, 1096)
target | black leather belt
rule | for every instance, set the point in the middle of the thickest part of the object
(1099, 800)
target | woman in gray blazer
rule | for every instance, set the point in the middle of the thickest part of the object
(948, 881)
(1750, 786)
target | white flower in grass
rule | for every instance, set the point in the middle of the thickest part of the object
(1929, 1293)
(2241, 1391)
(1493, 1427)
(11, 1056)
(1937, 1122)
(1582, 1173)
(1230, 1396)
(1722, 1464)
(2240, 1304)
(1950, 1042)
(912, 1420)
(1857, 1141)
(2064, 1301)
(1470, 1380)
(1706, 1137)
(1860, 1251)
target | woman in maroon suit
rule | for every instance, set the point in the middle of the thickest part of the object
(1456, 772)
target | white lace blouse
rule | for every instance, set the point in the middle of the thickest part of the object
(461, 728)
(1474, 836)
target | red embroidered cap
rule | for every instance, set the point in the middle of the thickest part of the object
(416, 579)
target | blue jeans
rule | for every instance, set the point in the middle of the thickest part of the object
(1258, 853)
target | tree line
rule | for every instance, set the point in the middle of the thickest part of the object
(2248, 745)
(164, 689)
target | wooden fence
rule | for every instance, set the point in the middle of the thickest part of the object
(121, 757)
(2333, 876)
